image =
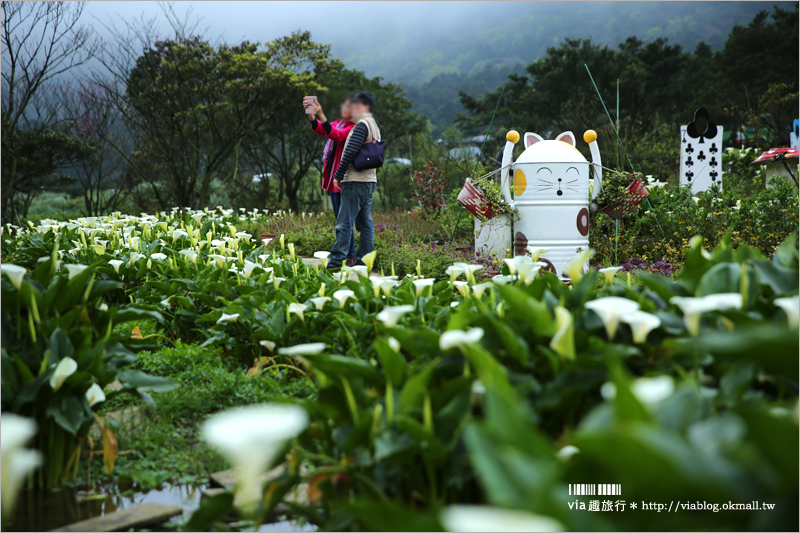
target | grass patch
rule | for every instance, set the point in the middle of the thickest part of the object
(162, 444)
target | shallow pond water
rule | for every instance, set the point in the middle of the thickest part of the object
(42, 510)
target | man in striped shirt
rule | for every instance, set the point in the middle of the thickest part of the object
(358, 186)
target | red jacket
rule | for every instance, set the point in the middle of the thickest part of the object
(339, 130)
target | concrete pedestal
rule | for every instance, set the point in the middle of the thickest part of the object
(493, 237)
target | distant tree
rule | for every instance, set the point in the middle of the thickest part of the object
(762, 53)
(751, 84)
(95, 119)
(393, 109)
(282, 144)
(287, 148)
(41, 42)
(193, 105)
(760, 68)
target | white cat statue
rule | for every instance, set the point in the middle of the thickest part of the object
(550, 181)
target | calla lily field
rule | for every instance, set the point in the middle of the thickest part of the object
(470, 403)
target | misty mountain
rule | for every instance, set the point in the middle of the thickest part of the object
(504, 34)
(485, 42)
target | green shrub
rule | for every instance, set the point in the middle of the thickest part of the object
(661, 230)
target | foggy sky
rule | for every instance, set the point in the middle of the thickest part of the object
(329, 22)
(350, 27)
(402, 34)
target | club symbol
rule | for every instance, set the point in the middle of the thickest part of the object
(713, 148)
(689, 175)
(713, 175)
(689, 149)
(689, 161)
(713, 162)
(701, 156)
(701, 127)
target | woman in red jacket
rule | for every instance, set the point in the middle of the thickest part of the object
(336, 132)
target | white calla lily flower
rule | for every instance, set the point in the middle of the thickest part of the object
(361, 270)
(16, 461)
(531, 274)
(574, 267)
(469, 270)
(64, 369)
(513, 262)
(369, 259)
(462, 287)
(311, 348)
(479, 288)
(609, 273)
(563, 342)
(387, 284)
(297, 309)
(536, 252)
(649, 391)
(191, 255)
(342, 296)
(116, 263)
(454, 272)
(694, 307)
(177, 234)
(319, 302)
(457, 338)
(95, 395)
(219, 259)
(481, 518)
(394, 344)
(421, 284)
(641, 324)
(249, 267)
(790, 306)
(391, 315)
(158, 256)
(74, 270)
(269, 345)
(15, 274)
(503, 280)
(324, 257)
(567, 452)
(228, 318)
(250, 437)
(524, 265)
(610, 309)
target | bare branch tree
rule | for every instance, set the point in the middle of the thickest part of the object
(41, 43)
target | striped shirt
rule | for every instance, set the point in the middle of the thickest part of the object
(351, 149)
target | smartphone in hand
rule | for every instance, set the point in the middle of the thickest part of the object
(309, 102)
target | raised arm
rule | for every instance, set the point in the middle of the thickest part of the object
(351, 149)
(329, 131)
(340, 133)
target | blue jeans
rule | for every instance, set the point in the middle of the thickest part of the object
(355, 207)
(336, 202)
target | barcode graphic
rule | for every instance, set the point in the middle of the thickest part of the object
(595, 489)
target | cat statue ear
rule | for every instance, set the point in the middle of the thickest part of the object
(567, 137)
(531, 139)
